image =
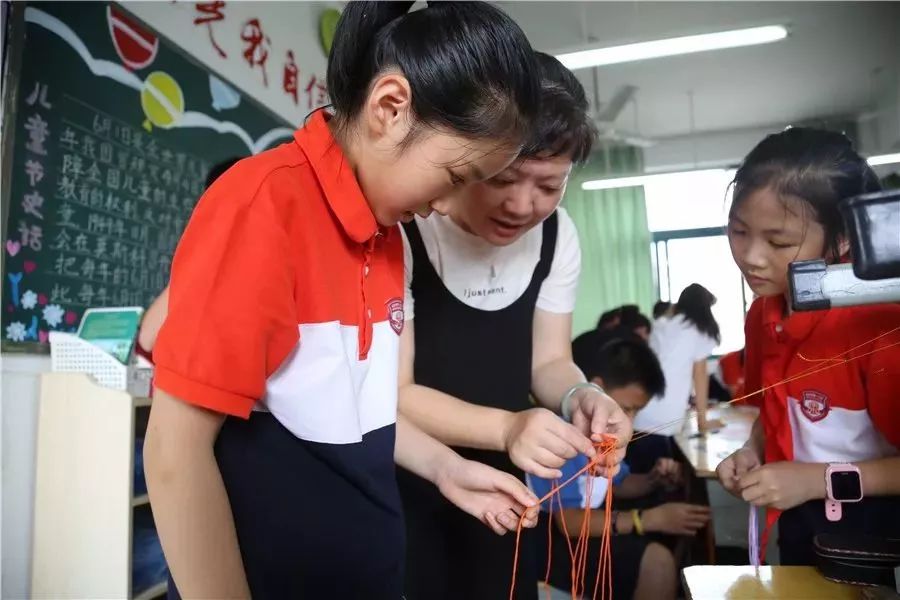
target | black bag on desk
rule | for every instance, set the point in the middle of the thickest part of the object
(858, 559)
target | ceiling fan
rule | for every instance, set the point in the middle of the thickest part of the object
(606, 115)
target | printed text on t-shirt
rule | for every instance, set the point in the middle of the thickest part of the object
(470, 293)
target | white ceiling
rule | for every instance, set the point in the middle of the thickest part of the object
(835, 56)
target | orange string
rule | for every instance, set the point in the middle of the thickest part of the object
(578, 555)
(549, 545)
(834, 362)
(578, 564)
(565, 527)
(604, 568)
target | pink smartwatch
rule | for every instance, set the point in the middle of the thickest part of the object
(842, 484)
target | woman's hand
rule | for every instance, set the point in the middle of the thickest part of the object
(540, 442)
(495, 498)
(597, 415)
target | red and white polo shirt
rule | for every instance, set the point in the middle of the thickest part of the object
(845, 413)
(286, 296)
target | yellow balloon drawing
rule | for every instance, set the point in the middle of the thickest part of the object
(327, 25)
(162, 101)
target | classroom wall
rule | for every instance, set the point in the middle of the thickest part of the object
(18, 437)
(287, 26)
(877, 132)
(880, 127)
(704, 150)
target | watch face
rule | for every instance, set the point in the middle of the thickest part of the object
(845, 485)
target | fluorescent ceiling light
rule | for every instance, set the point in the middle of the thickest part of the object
(674, 177)
(884, 159)
(620, 182)
(597, 57)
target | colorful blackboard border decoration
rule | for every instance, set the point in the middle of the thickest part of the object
(116, 72)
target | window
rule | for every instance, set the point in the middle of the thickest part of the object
(703, 256)
(690, 200)
(686, 214)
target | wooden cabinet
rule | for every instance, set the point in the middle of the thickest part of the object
(85, 508)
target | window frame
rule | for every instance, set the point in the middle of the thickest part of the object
(660, 242)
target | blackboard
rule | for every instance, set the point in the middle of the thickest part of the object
(114, 130)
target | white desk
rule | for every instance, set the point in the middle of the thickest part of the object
(705, 453)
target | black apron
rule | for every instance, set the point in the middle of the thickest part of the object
(482, 357)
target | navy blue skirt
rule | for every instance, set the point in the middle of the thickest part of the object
(308, 525)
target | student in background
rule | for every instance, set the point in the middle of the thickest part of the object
(624, 321)
(683, 339)
(661, 308)
(155, 314)
(716, 390)
(273, 433)
(643, 566)
(492, 286)
(731, 367)
(632, 319)
(837, 425)
(625, 317)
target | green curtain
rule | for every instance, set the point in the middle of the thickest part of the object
(616, 267)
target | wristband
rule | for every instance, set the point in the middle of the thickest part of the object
(564, 408)
(638, 524)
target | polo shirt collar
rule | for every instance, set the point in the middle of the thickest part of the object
(797, 326)
(336, 178)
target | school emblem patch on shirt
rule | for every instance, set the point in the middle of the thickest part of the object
(395, 314)
(814, 405)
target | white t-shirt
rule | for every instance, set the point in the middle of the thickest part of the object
(678, 344)
(489, 277)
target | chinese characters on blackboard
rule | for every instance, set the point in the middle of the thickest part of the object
(116, 210)
(30, 227)
(120, 203)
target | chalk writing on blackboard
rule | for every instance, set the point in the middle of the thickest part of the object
(30, 227)
(119, 200)
(110, 154)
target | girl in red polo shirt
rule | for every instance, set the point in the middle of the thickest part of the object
(825, 440)
(271, 443)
